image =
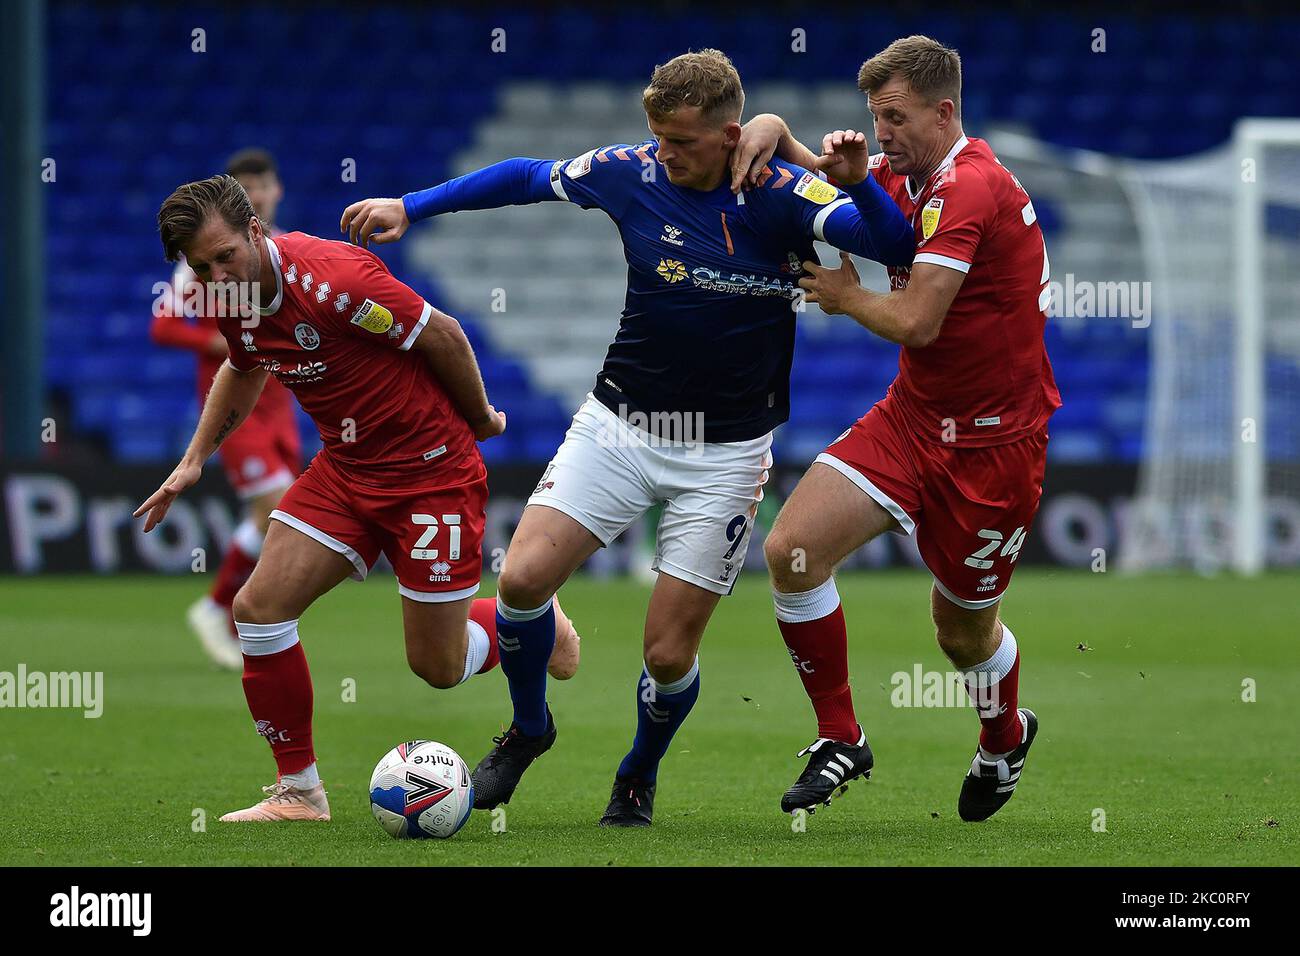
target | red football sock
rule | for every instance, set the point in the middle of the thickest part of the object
(236, 566)
(483, 612)
(820, 650)
(279, 692)
(995, 691)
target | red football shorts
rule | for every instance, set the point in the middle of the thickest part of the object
(264, 453)
(433, 536)
(970, 508)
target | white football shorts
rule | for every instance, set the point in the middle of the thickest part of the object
(608, 473)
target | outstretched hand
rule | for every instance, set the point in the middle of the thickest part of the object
(381, 220)
(157, 503)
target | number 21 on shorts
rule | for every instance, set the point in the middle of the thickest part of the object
(1011, 549)
(422, 551)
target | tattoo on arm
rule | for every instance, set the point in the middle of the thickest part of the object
(227, 427)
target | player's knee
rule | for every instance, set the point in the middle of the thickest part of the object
(668, 660)
(252, 607)
(525, 585)
(778, 552)
(791, 565)
(437, 672)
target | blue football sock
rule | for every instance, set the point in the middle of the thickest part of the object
(526, 639)
(660, 710)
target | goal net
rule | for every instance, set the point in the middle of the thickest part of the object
(1219, 480)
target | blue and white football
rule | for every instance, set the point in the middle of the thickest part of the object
(421, 789)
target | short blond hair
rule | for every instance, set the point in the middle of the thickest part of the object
(704, 78)
(929, 67)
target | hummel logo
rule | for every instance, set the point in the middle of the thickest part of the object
(507, 643)
(657, 714)
(671, 234)
(247, 339)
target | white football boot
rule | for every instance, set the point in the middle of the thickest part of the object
(284, 802)
(210, 623)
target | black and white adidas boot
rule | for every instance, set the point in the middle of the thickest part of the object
(498, 773)
(990, 783)
(832, 764)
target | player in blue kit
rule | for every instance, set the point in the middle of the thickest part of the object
(683, 410)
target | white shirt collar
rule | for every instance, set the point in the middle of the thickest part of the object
(957, 147)
(279, 282)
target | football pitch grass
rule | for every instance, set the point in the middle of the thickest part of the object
(1138, 684)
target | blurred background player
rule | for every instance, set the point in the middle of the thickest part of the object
(396, 393)
(263, 457)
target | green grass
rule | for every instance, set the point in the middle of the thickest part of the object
(1147, 724)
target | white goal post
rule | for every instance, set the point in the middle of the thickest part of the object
(1214, 241)
(1221, 236)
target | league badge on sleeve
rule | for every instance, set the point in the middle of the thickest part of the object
(580, 166)
(930, 217)
(373, 317)
(815, 190)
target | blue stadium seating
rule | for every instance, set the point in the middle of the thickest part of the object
(133, 111)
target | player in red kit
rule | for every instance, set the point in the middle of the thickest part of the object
(395, 392)
(955, 451)
(263, 457)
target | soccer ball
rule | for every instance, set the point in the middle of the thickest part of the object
(421, 789)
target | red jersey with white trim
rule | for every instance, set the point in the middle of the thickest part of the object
(338, 334)
(986, 380)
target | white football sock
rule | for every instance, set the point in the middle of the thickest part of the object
(259, 640)
(800, 606)
(477, 650)
(248, 539)
(304, 779)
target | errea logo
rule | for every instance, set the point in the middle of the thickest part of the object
(672, 234)
(671, 270)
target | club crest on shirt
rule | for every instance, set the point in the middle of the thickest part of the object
(373, 317)
(307, 337)
(930, 217)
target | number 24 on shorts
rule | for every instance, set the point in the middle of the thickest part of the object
(980, 559)
(422, 551)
